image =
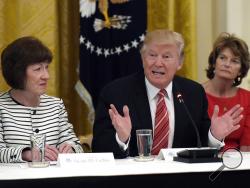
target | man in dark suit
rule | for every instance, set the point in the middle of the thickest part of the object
(129, 103)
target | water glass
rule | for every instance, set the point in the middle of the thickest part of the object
(37, 143)
(144, 143)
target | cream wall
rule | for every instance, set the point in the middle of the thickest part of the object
(204, 36)
(214, 17)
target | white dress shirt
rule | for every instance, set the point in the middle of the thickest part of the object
(152, 92)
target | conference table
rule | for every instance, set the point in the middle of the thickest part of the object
(125, 173)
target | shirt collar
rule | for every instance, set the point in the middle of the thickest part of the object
(153, 91)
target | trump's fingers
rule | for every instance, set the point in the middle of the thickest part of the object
(126, 111)
(235, 111)
(237, 119)
(234, 128)
(114, 109)
(216, 111)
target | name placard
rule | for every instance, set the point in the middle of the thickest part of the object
(76, 159)
(168, 154)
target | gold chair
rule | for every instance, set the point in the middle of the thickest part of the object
(85, 141)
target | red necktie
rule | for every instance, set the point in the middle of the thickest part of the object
(161, 129)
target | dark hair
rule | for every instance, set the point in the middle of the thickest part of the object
(238, 47)
(18, 55)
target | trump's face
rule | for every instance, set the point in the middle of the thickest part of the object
(160, 62)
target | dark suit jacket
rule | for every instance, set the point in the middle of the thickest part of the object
(131, 91)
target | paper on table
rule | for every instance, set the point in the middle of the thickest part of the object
(168, 154)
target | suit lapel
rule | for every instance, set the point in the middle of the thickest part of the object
(140, 99)
(179, 113)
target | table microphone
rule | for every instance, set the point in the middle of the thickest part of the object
(199, 154)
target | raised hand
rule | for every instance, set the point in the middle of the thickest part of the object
(227, 123)
(122, 124)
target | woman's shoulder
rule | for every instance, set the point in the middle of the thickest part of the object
(48, 98)
(244, 96)
(6, 93)
(5, 97)
(205, 85)
(244, 92)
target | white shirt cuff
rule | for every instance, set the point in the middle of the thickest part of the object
(213, 142)
(121, 144)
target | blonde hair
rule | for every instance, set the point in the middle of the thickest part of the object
(164, 36)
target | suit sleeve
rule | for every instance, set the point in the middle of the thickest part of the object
(103, 132)
(205, 120)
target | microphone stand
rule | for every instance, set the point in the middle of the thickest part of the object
(199, 154)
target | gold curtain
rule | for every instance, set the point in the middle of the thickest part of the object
(26, 17)
(56, 23)
(180, 16)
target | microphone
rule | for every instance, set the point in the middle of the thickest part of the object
(180, 99)
(199, 154)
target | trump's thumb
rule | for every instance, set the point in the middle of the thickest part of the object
(216, 111)
(126, 111)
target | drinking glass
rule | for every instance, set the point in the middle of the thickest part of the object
(144, 144)
(37, 143)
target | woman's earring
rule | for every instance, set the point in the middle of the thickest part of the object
(238, 78)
